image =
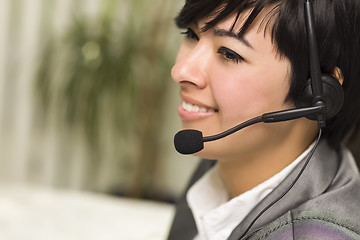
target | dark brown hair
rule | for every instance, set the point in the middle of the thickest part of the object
(337, 26)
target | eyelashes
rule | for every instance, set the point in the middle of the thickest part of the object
(226, 53)
(190, 34)
(230, 55)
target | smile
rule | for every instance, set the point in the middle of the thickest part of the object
(193, 112)
(195, 108)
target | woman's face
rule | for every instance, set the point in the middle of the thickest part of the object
(225, 80)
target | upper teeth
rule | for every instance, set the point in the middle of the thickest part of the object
(195, 108)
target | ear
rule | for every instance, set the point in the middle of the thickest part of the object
(337, 73)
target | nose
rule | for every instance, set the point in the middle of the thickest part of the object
(192, 66)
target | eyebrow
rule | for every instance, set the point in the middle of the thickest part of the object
(226, 33)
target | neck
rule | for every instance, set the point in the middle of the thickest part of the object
(248, 171)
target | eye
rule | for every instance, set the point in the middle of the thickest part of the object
(190, 34)
(230, 55)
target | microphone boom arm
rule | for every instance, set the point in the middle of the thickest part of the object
(291, 114)
(271, 117)
(234, 129)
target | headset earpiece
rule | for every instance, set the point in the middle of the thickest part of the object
(321, 90)
(333, 96)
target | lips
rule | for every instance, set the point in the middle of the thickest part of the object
(195, 108)
(191, 111)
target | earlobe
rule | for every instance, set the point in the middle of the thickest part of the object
(337, 73)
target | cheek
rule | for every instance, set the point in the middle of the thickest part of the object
(250, 93)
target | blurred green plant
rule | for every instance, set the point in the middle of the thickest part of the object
(113, 77)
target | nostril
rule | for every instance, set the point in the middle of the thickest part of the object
(190, 70)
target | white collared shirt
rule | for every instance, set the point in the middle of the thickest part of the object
(215, 215)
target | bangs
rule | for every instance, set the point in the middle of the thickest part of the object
(337, 35)
(197, 10)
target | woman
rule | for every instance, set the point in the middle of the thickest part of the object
(239, 60)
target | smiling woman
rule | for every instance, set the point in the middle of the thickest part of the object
(237, 79)
(241, 59)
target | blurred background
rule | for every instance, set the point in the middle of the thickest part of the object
(87, 101)
(87, 105)
(87, 115)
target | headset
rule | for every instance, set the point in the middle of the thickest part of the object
(321, 99)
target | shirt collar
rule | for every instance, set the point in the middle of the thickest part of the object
(215, 215)
(315, 180)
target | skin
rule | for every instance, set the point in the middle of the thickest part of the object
(239, 79)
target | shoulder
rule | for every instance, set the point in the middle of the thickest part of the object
(320, 227)
(308, 226)
(333, 214)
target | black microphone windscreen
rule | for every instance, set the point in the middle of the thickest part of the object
(188, 141)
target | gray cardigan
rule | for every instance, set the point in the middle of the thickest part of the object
(323, 204)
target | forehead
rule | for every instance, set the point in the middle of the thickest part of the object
(262, 20)
(215, 11)
(257, 34)
(235, 22)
